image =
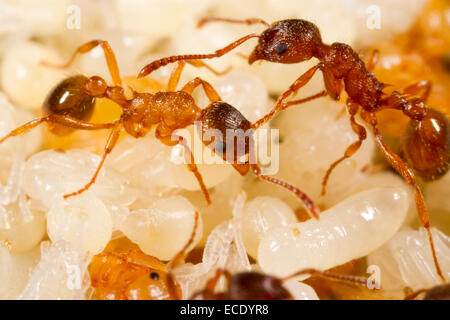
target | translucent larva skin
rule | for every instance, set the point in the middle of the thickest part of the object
(67, 99)
(351, 229)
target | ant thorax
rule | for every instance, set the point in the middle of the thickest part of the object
(360, 84)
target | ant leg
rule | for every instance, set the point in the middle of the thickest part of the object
(176, 73)
(351, 149)
(211, 93)
(406, 172)
(59, 119)
(177, 260)
(415, 88)
(218, 53)
(200, 64)
(112, 140)
(414, 295)
(331, 275)
(303, 197)
(88, 46)
(249, 21)
(300, 82)
(370, 65)
(307, 99)
(165, 136)
(175, 76)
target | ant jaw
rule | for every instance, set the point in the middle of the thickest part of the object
(255, 55)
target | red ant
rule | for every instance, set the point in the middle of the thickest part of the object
(295, 40)
(70, 104)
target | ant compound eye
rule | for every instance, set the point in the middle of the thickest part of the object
(154, 276)
(220, 147)
(281, 48)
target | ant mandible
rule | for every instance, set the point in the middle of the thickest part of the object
(295, 40)
(70, 105)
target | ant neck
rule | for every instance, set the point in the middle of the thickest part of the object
(321, 51)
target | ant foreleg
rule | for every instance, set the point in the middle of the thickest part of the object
(218, 53)
(249, 21)
(57, 119)
(166, 137)
(406, 172)
(85, 48)
(112, 140)
(308, 203)
(351, 149)
(211, 93)
(300, 82)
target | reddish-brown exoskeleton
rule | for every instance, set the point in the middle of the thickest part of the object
(295, 40)
(69, 106)
(258, 286)
(440, 292)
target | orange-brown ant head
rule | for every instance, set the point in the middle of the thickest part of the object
(288, 41)
(95, 86)
(426, 145)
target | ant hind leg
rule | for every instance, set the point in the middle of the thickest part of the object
(406, 172)
(416, 88)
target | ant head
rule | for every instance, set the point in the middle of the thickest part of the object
(256, 286)
(95, 86)
(288, 41)
(223, 125)
(440, 292)
(426, 145)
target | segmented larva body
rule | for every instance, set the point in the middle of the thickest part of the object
(351, 229)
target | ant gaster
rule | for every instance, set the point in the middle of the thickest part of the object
(295, 40)
(70, 104)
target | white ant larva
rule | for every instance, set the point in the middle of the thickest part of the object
(351, 229)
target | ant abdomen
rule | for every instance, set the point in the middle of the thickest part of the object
(222, 125)
(427, 145)
(68, 98)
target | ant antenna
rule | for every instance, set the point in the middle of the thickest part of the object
(250, 21)
(330, 275)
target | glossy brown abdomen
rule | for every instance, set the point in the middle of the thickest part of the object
(426, 145)
(69, 99)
